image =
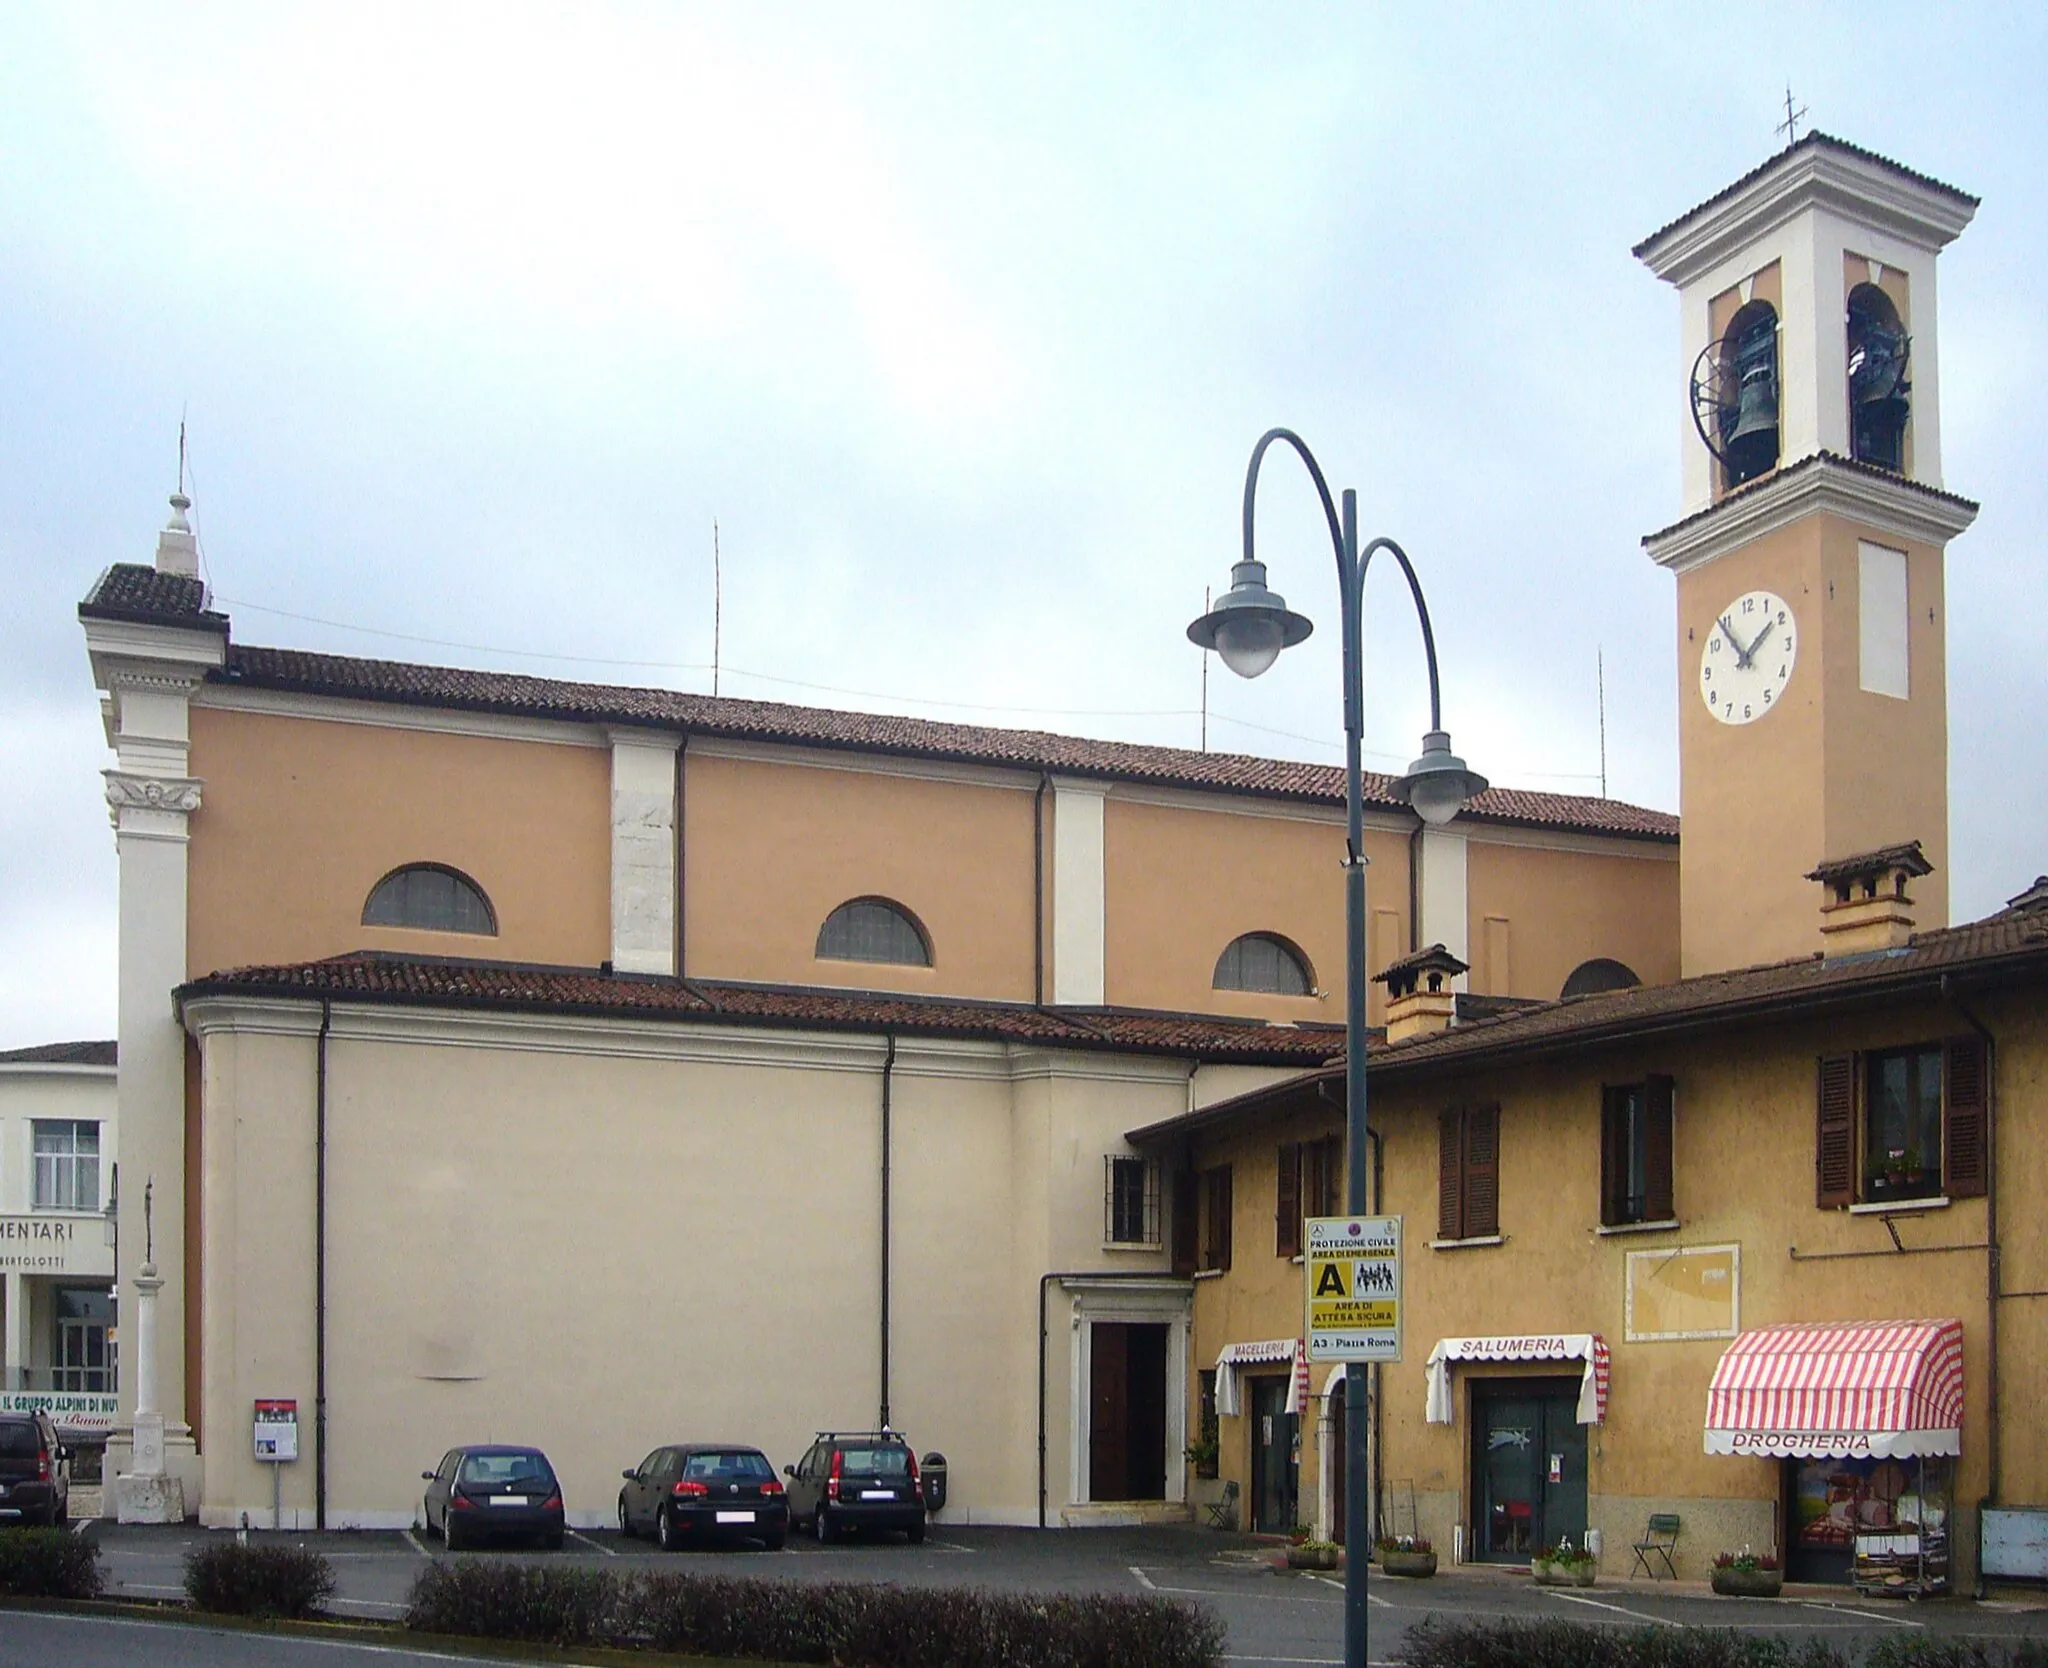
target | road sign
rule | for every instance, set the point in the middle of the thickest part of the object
(1352, 1266)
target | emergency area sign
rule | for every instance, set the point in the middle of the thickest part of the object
(277, 1431)
(1352, 1266)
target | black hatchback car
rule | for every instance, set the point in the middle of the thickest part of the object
(695, 1493)
(35, 1471)
(494, 1493)
(856, 1480)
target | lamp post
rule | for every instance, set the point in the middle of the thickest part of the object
(1248, 627)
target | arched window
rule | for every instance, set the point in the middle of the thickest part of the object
(874, 929)
(430, 897)
(1267, 963)
(1878, 407)
(1599, 974)
(1735, 395)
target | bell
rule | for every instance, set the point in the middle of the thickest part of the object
(1752, 443)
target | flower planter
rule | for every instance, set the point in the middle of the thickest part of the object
(1311, 1557)
(1549, 1574)
(1414, 1564)
(1731, 1583)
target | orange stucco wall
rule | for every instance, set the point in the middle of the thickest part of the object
(1556, 909)
(301, 817)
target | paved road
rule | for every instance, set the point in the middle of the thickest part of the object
(1271, 1618)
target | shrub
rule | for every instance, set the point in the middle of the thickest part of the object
(1955, 1653)
(851, 1624)
(1404, 1543)
(48, 1563)
(1440, 1644)
(260, 1580)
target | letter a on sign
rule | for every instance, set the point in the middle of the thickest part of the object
(1329, 1281)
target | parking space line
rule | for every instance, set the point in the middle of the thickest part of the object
(1144, 1580)
(948, 1546)
(413, 1541)
(1619, 1610)
(574, 1534)
(1867, 1615)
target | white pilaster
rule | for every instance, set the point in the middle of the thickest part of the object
(643, 852)
(1444, 896)
(1078, 912)
(17, 1335)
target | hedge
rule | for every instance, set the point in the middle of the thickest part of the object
(1440, 1644)
(48, 1563)
(258, 1580)
(849, 1624)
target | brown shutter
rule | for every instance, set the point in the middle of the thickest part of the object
(1450, 1174)
(1287, 1202)
(1482, 1171)
(1966, 1106)
(1224, 1210)
(1659, 1201)
(1187, 1222)
(1613, 1155)
(1834, 1144)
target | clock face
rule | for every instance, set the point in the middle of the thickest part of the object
(1747, 658)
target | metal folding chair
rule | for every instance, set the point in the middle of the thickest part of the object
(1659, 1540)
(1223, 1511)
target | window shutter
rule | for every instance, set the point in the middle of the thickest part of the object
(1287, 1202)
(1187, 1242)
(1659, 1202)
(1450, 1174)
(1482, 1171)
(1966, 1108)
(1613, 1155)
(1834, 1145)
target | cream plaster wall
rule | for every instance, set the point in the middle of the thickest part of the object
(1558, 908)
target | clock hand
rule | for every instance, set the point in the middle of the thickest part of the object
(1749, 655)
(1734, 642)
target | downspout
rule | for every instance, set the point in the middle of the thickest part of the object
(1379, 1423)
(1045, 1280)
(1415, 887)
(888, 1084)
(682, 935)
(1993, 1274)
(1038, 888)
(320, 1268)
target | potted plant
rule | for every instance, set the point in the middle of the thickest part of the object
(1409, 1555)
(1305, 1552)
(1748, 1574)
(1202, 1454)
(1564, 1565)
(1900, 1174)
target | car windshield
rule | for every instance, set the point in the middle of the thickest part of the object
(18, 1439)
(745, 1466)
(890, 1461)
(515, 1473)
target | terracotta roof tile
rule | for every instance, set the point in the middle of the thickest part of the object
(401, 682)
(1813, 460)
(60, 1054)
(132, 591)
(424, 981)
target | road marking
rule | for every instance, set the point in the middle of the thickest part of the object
(1867, 1615)
(144, 1587)
(1619, 1610)
(413, 1541)
(948, 1546)
(587, 1541)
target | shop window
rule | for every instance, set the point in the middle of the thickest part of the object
(1267, 963)
(1468, 1172)
(430, 897)
(1635, 1152)
(874, 929)
(1216, 1207)
(67, 1164)
(1130, 1201)
(1207, 1448)
(1902, 1123)
(1311, 1183)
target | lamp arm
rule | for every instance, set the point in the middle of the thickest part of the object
(1315, 473)
(1436, 717)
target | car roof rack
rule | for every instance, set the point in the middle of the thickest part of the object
(885, 1434)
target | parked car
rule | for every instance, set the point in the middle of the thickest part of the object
(698, 1492)
(857, 1480)
(35, 1470)
(490, 1493)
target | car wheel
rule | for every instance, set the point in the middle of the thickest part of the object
(625, 1517)
(451, 1535)
(664, 1530)
(916, 1533)
(427, 1520)
(775, 1543)
(553, 1542)
(823, 1527)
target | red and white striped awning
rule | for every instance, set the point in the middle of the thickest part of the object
(1883, 1389)
(1266, 1351)
(1588, 1347)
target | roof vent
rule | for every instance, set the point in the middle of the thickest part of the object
(1864, 903)
(1420, 1001)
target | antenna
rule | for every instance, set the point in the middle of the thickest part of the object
(1600, 671)
(1790, 125)
(717, 604)
(1205, 678)
(181, 453)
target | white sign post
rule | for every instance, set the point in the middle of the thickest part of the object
(1352, 1279)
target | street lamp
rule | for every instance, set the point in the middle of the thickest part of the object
(1248, 627)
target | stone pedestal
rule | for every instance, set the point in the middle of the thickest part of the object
(147, 1494)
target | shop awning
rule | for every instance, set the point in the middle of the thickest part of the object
(1588, 1347)
(1887, 1389)
(1266, 1352)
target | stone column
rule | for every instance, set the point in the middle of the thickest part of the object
(146, 1493)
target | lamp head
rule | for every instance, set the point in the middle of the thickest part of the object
(1249, 625)
(1438, 785)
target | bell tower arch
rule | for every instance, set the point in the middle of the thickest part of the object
(1809, 557)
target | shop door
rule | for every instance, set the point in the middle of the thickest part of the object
(1528, 1467)
(83, 1360)
(1275, 1462)
(1126, 1411)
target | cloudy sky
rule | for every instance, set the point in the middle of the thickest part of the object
(959, 321)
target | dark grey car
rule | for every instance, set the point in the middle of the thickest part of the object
(35, 1470)
(695, 1493)
(857, 1480)
(494, 1493)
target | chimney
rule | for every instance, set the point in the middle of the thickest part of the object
(177, 551)
(1420, 1001)
(1864, 904)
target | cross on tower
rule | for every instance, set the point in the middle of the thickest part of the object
(1790, 125)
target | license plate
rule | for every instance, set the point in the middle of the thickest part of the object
(735, 1517)
(508, 1500)
(878, 1494)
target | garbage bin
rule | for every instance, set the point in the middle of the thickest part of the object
(933, 1469)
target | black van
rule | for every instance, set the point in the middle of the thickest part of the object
(35, 1471)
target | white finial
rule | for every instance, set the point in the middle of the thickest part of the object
(177, 549)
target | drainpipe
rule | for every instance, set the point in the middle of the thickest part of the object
(682, 937)
(1379, 1424)
(1415, 885)
(320, 1268)
(1993, 1274)
(1038, 888)
(888, 1083)
(1045, 1280)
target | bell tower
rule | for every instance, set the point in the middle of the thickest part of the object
(1813, 710)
